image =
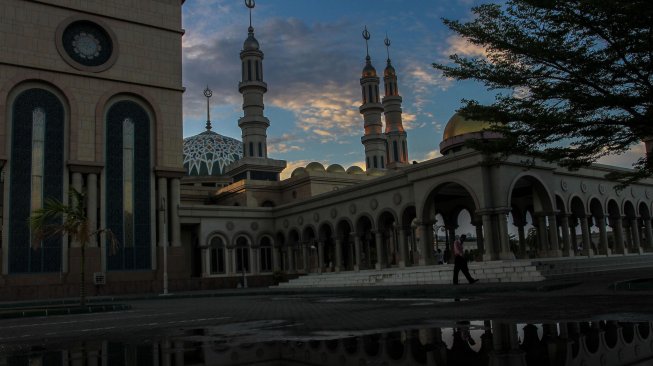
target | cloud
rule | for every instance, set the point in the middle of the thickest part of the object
(462, 47)
(291, 166)
(428, 155)
(627, 159)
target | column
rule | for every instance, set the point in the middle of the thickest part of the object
(289, 255)
(320, 256)
(603, 236)
(419, 233)
(648, 233)
(634, 228)
(253, 260)
(479, 237)
(522, 241)
(92, 200)
(206, 262)
(403, 246)
(543, 245)
(567, 249)
(338, 263)
(488, 240)
(163, 194)
(504, 239)
(629, 238)
(275, 258)
(380, 260)
(175, 200)
(357, 249)
(77, 182)
(572, 234)
(553, 236)
(350, 248)
(618, 231)
(587, 248)
(306, 251)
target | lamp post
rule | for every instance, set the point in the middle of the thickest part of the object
(163, 212)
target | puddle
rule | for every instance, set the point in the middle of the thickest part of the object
(278, 342)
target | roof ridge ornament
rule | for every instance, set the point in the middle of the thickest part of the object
(386, 41)
(367, 36)
(208, 93)
(250, 4)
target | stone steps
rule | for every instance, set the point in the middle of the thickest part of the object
(497, 271)
(556, 267)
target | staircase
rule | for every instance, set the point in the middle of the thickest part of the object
(568, 266)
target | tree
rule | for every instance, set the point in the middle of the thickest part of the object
(58, 219)
(578, 76)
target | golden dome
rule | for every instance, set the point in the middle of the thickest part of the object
(459, 125)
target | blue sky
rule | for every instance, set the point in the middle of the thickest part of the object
(314, 54)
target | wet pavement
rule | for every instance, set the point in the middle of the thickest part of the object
(206, 328)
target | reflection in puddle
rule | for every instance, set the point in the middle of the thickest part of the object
(471, 343)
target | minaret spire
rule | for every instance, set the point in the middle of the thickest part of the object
(255, 163)
(396, 137)
(208, 93)
(371, 109)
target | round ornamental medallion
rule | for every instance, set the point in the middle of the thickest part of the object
(230, 225)
(374, 204)
(352, 208)
(618, 192)
(300, 220)
(334, 213)
(601, 189)
(583, 187)
(563, 185)
(316, 217)
(86, 45)
(254, 225)
(286, 223)
(396, 199)
(648, 193)
(632, 192)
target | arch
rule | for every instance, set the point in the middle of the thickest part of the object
(269, 235)
(560, 204)
(613, 208)
(326, 224)
(242, 245)
(595, 207)
(365, 216)
(38, 117)
(268, 203)
(408, 214)
(241, 234)
(265, 247)
(280, 239)
(293, 237)
(214, 234)
(340, 225)
(643, 211)
(384, 213)
(576, 205)
(629, 209)
(449, 188)
(217, 247)
(541, 196)
(308, 232)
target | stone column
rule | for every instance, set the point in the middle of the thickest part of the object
(629, 237)
(275, 258)
(357, 249)
(320, 256)
(587, 247)
(350, 258)
(567, 249)
(175, 200)
(421, 246)
(338, 263)
(253, 260)
(403, 246)
(522, 241)
(380, 260)
(306, 254)
(648, 233)
(479, 237)
(92, 200)
(603, 236)
(206, 262)
(504, 239)
(634, 228)
(289, 254)
(543, 245)
(553, 236)
(77, 183)
(163, 194)
(618, 232)
(488, 240)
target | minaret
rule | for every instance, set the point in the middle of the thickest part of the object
(371, 109)
(255, 163)
(394, 129)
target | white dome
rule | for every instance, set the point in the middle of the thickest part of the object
(208, 153)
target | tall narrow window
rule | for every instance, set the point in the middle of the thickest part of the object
(251, 149)
(249, 70)
(258, 77)
(367, 162)
(260, 149)
(382, 165)
(376, 164)
(217, 256)
(128, 181)
(266, 255)
(405, 153)
(36, 173)
(242, 255)
(369, 92)
(395, 150)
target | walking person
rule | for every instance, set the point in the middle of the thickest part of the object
(460, 263)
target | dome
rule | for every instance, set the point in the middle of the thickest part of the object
(389, 70)
(298, 172)
(459, 125)
(315, 167)
(251, 44)
(208, 153)
(369, 71)
(355, 169)
(335, 168)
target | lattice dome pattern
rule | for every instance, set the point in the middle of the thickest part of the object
(208, 153)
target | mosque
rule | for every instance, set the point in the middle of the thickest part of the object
(98, 107)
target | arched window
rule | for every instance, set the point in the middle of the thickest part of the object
(217, 256)
(395, 150)
(260, 149)
(267, 203)
(128, 185)
(242, 255)
(376, 165)
(382, 165)
(36, 173)
(266, 254)
(251, 149)
(249, 70)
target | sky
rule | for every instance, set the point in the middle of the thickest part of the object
(314, 55)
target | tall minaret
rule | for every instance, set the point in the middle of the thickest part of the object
(394, 129)
(255, 163)
(371, 109)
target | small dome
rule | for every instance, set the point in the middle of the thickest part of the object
(335, 168)
(208, 153)
(251, 44)
(369, 71)
(315, 167)
(376, 172)
(389, 70)
(355, 169)
(298, 172)
(459, 125)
